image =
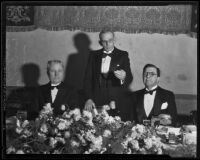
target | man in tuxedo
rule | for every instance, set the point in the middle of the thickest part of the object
(56, 92)
(153, 100)
(107, 75)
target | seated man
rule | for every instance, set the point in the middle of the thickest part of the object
(153, 100)
(56, 92)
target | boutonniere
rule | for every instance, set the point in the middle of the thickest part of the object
(62, 107)
(164, 106)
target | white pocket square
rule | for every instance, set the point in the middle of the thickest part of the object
(164, 105)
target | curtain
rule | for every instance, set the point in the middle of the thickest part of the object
(170, 19)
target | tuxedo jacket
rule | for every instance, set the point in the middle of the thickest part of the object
(66, 95)
(162, 96)
(94, 84)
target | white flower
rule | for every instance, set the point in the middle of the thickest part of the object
(77, 111)
(48, 105)
(87, 114)
(97, 143)
(133, 135)
(74, 143)
(159, 151)
(117, 118)
(140, 128)
(106, 133)
(77, 117)
(44, 128)
(110, 119)
(62, 107)
(59, 139)
(66, 115)
(52, 142)
(47, 109)
(81, 139)
(112, 105)
(135, 144)
(18, 130)
(148, 143)
(10, 149)
(61, 126)
(106, 107)
(27, 132)
(25, 123)
(67, 134)
(20, 152)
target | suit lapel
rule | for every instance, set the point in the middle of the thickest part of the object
(157, 103)
(47, 93)
(60, 95)
(114, 60)
(141, 111)
(98, 61)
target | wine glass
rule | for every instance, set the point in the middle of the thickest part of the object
(21, 115)
(146, 122)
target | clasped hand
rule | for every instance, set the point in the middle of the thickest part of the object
(120, 74)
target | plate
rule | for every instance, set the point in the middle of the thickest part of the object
(167, 142)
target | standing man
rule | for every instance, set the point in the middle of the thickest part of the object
(55, 91)
(153, 100)
(107, 75)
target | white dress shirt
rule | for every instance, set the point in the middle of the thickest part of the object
(54, 92)
(149, 101)
(105, 63)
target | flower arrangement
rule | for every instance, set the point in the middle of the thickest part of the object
(76, 132)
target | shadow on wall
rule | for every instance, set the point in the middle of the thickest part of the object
(76, 64)
(21, 98)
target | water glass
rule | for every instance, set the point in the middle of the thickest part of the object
(22, 115)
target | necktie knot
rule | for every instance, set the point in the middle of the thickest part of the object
(58, 87)
(150, 92)
(105, 53)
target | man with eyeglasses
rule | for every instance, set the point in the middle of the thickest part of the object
(107, 75)
(153, 101)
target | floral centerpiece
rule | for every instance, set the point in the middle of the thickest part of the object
(76, 132)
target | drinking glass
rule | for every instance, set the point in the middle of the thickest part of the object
(22, 115)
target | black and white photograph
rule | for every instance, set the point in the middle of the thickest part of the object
(99, 78)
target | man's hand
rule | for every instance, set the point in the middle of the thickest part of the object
(89, 105)
(120, 74)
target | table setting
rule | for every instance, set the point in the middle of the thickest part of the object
(84, 132)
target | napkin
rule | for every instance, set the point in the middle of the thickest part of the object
(164, 106)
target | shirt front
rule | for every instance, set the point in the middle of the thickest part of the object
(54, 92)
(149, 101)
(105, 63)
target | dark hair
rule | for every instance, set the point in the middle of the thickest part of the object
(151, 65)
(105, 30)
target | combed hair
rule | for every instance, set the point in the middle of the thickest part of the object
(152, 65)
(50, 62)
(106, 30)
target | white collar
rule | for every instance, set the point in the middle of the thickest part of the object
(152, 88)
(55, 84)
(108, 52)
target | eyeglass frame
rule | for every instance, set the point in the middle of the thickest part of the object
(151, 74)
(109, 41)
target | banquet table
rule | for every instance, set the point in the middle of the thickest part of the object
(179, 149)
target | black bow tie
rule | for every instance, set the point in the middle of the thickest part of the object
(58, 87)
(150, 92)
(106, 54)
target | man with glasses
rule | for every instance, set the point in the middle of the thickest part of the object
(107, 75)
(153, 100)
